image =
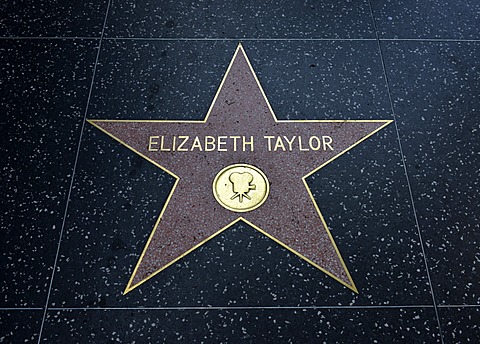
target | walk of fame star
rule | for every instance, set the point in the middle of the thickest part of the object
(240, 153)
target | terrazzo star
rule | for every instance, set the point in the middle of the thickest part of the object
(270, 177)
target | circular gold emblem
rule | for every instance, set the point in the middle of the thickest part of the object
(241, 187)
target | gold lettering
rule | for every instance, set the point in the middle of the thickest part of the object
(312, 145)
(325, 143)
(269, 138)
(151, 142)
(162, 148)
(250, 143)
(182, 143)
(209, 143)
(290, 142)
(235, 138)
(180, 146)
(221, 142)
(279, 144)
(300, 145)
(196, 144)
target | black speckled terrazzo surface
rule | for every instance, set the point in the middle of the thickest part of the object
(77, 207)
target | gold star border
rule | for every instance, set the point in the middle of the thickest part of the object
(240, 49)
